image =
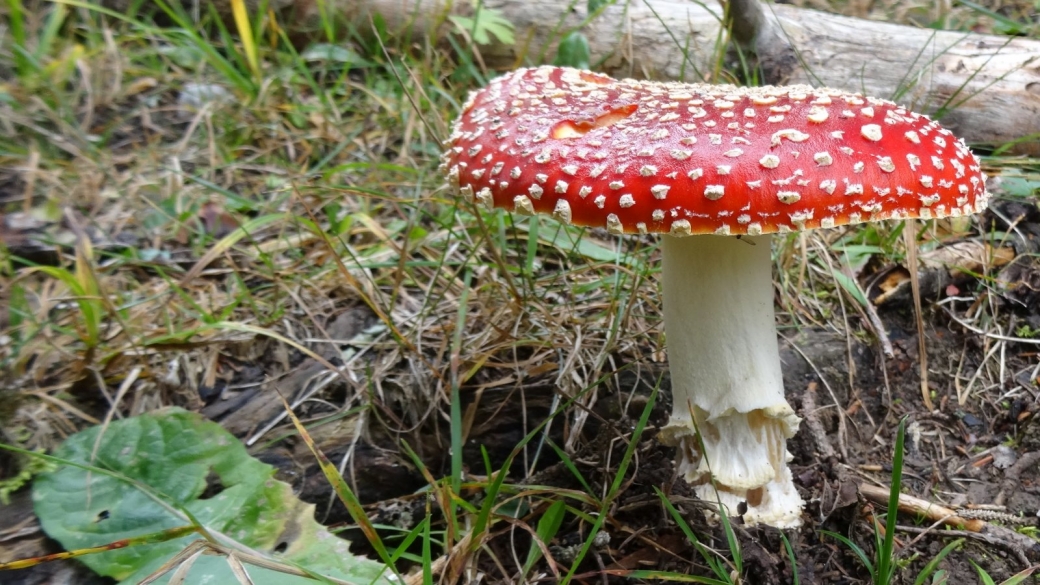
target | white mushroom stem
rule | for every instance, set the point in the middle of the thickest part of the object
(725, 373)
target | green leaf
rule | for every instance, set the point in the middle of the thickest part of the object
(593, 5)
(573, 51)
(548, 525)
(1020, 186)
(161, 465)
(850, 286)
(486, 23)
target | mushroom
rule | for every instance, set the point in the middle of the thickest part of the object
(710, 161)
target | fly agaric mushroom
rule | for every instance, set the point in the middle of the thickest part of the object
(692, 160)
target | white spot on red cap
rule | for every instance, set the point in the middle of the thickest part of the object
(660, 191)
(817, 114)
(929, 200)
(769, 161)
(681, 227)
(562, 211)
(484, 198)
(522, 205)
(823, 158)
(714, 192)
(789, 134)
(871, 132)
(853, 188)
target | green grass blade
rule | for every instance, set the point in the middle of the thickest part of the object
(674, 577)
(886, 565)
(983, 575)
(933, 564)
(790, 556)
(637, 432)
(855, 548)
(456, 399)
(548, 525)
(45, 45)
(16, 22)
(346, 495)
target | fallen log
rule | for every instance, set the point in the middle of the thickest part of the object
(986, 88)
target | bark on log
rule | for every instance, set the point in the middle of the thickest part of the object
(993, 81)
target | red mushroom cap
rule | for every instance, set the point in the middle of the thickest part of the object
(642, 156)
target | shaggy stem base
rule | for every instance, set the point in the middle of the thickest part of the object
(725, 372)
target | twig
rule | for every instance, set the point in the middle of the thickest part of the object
(973, 329)
(917, 506)
(1019, 544)
(879, 328)
(1011, 547)
(1011, 476)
